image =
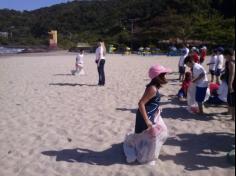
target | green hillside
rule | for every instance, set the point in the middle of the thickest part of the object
(140, 22)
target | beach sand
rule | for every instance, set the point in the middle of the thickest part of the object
(56, 124)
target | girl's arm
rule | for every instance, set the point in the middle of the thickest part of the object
(231, 76)
(148, 95)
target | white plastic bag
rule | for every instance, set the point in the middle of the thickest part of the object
(191, 95)
(145, 147)
(191, 98)
(80, 71)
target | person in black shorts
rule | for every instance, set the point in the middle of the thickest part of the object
(230, 79)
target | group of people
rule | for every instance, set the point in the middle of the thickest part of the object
(222, 91)
(100, 61)
(149, 111)
(199, 56)
(149, 126)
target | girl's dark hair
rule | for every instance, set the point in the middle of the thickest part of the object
(188, 59)
(156, 82)
(100, 40)
(188, 76)
(229, 52)
(215, 50)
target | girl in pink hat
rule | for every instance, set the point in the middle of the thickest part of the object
(149, 103)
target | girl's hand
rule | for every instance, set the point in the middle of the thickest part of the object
(149, 124)
(157, 112)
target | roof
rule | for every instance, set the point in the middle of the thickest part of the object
(83, 45)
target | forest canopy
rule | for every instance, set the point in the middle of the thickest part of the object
(140, 22)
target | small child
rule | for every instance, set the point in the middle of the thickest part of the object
(219, 96)
(201, 81)
(79, 64)
(184, 54)
(184, 89)
(212, 65)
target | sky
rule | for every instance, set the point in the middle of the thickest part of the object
(28, 4)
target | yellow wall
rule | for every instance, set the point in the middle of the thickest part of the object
(53, 37)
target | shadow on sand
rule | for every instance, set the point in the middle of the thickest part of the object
(111, 156)
(181, 113)
(200, 152)
(72, 84)
(134, 111)
(68, 74)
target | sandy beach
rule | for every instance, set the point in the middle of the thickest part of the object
(56, 124)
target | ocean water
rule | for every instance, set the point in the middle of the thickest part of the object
(4, 50)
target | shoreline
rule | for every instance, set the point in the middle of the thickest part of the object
(31, 54)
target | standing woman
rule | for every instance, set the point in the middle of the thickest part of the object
(230, 78)
(101, 60)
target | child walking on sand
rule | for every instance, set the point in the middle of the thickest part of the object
(201, 81)
(185, 85)
(79, 64)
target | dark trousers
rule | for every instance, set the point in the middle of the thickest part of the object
(101, 73)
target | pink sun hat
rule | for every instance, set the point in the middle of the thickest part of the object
(156, 70)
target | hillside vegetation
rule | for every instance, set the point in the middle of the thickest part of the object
(140, 22)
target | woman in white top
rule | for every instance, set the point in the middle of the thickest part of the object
(101, 60)
(219, 64)
(212, 65)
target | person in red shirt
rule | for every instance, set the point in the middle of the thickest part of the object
(213, 88)
(195, 55)
(185, 85)
(203, 54)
